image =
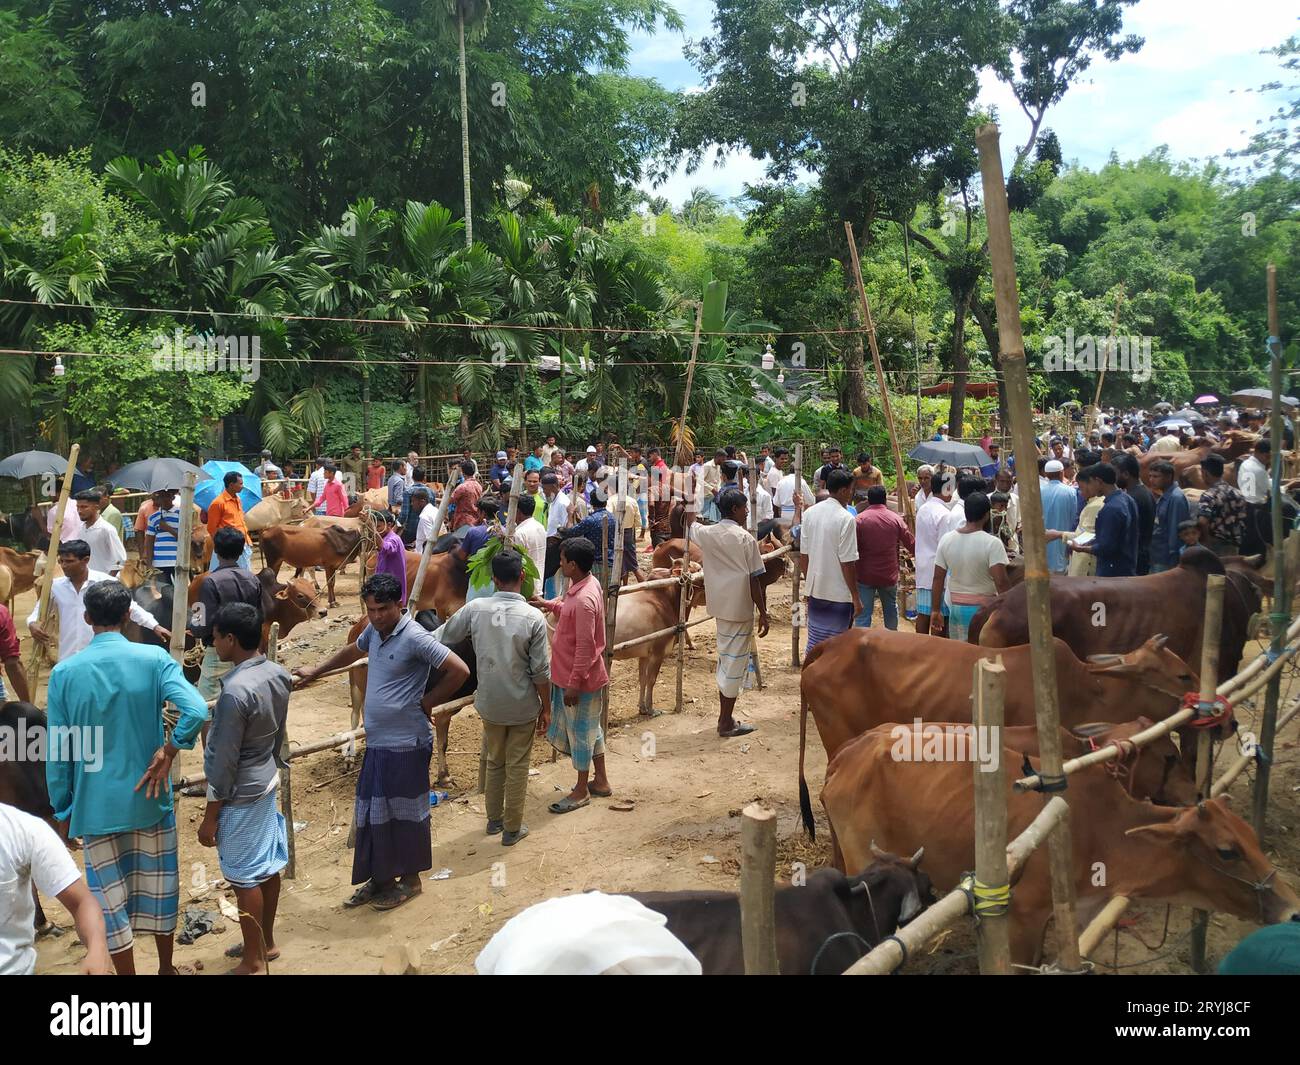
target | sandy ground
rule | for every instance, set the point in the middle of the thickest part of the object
(687, 786)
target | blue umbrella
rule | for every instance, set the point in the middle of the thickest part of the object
(206, 491)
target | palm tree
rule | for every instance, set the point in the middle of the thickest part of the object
(701, 207)
(474, 12)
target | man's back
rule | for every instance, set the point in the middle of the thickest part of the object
(827, 536)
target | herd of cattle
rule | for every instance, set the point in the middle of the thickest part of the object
(1139, 818)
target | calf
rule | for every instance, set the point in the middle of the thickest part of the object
(26, 567)
(276, 510)
(303, 547)
(822, 927)
(1202, 856)
(909, 675)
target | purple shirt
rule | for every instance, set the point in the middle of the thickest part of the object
(392, 559)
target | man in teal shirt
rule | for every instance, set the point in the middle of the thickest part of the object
(108, 768)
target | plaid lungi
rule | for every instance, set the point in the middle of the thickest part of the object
(734, 642)
(392, 814)
(575, 730)
(826, 619)
(959, 619)
(252, 842)
(134, 877)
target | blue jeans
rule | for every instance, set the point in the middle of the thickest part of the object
(888, 603)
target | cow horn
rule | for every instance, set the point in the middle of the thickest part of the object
(916, 858)
(1158, 642)
(1105, 660)
(878, 852)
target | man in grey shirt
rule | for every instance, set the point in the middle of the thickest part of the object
(392, 806)
(242, 764)
(514, 688)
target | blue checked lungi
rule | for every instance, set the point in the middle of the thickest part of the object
(252, 843)
(575, 730)
(959, 619)
(392, 814)
(733, 657)
(924, 603)
(826, 619)
(134, 877)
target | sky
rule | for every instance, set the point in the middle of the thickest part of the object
(1190, 87)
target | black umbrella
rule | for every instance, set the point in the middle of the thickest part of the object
(156, 475)
(953, 452)
(33, 464)
(1260, 397)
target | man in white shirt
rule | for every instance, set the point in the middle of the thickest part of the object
(107, 552)
(733, 586)
(32, 853)
(530, 534)
(828, 551)
(1255, 484)
(931, 524)
(412, 464)
(267, 470)
(421, 503)
(67, 599)
(764, 510)
(783, 499)
(557, 518)
(316, 484)
(776, 469)
(588, 465)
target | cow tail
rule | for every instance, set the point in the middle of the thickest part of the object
(805, 802)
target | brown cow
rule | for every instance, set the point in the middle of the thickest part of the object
(25, 566)
(908, 674)
(302, 547)
(1203, 856)
(276, 510)
(446, 579)
(1237, 443)
(1116, 614)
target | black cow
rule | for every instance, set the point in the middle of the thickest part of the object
(822, 927)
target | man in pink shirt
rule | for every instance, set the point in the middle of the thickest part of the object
(333, 495)
(881, 532)
(578, 672)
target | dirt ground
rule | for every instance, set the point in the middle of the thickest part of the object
(687, 786)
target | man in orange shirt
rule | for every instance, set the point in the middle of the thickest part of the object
(226, 509)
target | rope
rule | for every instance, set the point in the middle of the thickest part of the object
(1045, 782)
(812, 969)
(1206, 717)
(901, 946)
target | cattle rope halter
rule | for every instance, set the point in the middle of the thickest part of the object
(1260, 887)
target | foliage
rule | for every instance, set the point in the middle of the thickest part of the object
(480, 567)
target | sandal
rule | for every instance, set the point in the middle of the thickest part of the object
(599, 794)
(398, 895)
(237, 951)
(737, 729)
(567, 805)
(361, 896)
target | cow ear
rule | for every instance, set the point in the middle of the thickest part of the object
(1164, 832)
(283, 593)
(1092, 728)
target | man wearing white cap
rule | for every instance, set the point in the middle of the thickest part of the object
(499, 471)
(1060, 511)
(588, 465)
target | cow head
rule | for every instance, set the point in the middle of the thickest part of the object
(1154, 771)
(1152, 666)
(903, 875)
(1214, 862)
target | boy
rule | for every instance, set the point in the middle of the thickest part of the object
(1189, 532)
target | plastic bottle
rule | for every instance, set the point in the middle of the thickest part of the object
(436, 797)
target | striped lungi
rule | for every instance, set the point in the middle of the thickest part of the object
(826, 619)
(252, 844)
(735, 640)
(575, 730)
(392, 814)
(134, 877)
(961, 614)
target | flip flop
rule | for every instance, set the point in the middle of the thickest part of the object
(237, 951)
(361, 896)
(738, 729)
(599, 794)
(568, 805)
(398, 895)
(652, 713)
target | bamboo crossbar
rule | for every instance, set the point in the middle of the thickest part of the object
(1242, 761)
(659, 634)
(1109, 752)
(1090, 938)
(888, 956)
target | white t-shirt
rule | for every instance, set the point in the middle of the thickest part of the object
(829, 538)
(424, 525)
(783, 496)
(763, 509)
(30, 851)
(771, 478)
(931, 524)
(557, 513)
(106, 551)
(967, 557)
(530, 535)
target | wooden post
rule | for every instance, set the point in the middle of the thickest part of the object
(181, 575)
(512, 511)
(1210, 633)
(1281, 613)
(1037, 586)
(414, 597)
(1101, 376)
(900, 476)
(992, 931)
(758, 890)
(51, 564)
(796, 608)
(683, 452)
(682, 603)
(286, 774)
(611, 597)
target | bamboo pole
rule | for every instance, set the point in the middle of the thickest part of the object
(758, 890)
(1280, 613)
(1092, 936)
(753, 529)
(659, 634)
(611, 600)
(181, 574)
(888, 955)
(1211, 630)
(1101, 377)
(683, 605)
(512, 511)
(796, 608)
(993, 935)
(417, 587)
(683, 452)
(900, 476)
(1037, 580)
(51, 564)
(286, 774)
